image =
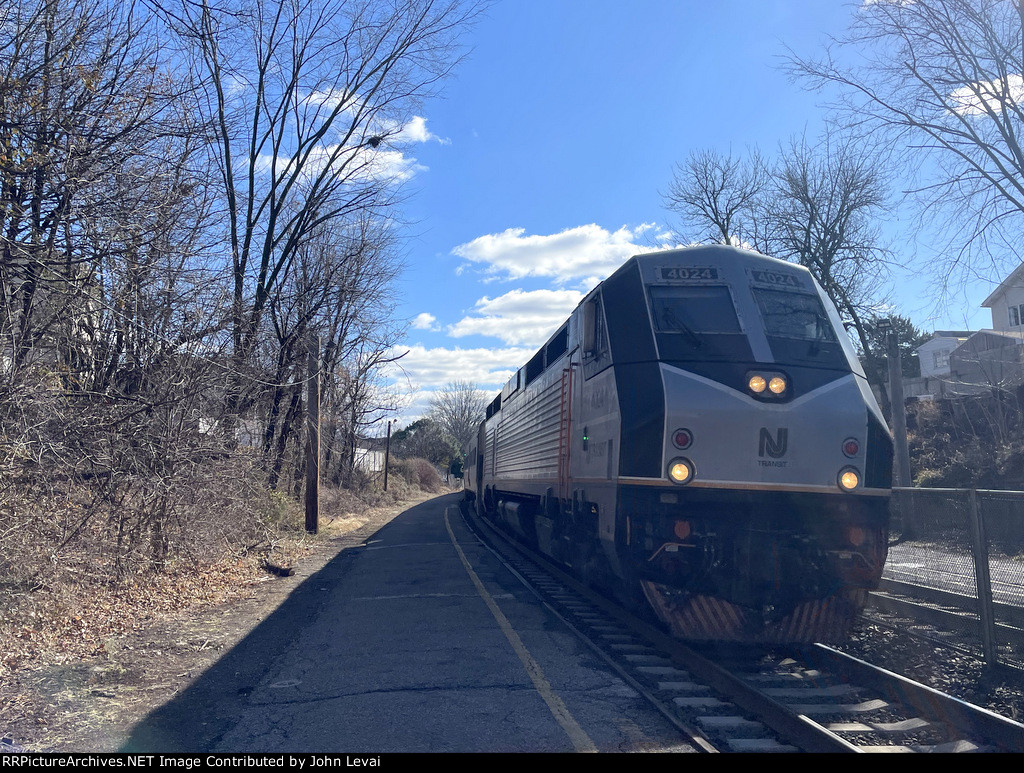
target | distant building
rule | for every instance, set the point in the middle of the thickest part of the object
(369, 460)
(1007, 303)
(962, 362)
(989, 358)
(933, 354)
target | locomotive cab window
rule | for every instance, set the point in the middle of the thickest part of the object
(699, 309)
(697, 322)
(798, 329)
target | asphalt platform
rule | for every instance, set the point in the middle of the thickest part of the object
(418, 640)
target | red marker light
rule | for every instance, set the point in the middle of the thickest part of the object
(682, 439)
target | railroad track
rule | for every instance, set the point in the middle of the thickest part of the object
(744, 699)
(952, 612)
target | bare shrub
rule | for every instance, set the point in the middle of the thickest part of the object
(427, 475)
(107, 491)
(419, 473)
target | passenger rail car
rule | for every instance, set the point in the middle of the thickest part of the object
(699, 434)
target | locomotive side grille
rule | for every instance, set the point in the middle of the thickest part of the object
(529, 432)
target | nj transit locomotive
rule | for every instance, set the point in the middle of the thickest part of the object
(699, 431)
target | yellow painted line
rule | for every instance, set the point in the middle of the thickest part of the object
(580, 740)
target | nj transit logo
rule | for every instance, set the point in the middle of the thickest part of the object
(773, 446)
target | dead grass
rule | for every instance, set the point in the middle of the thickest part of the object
(84, 662)
(76, 607)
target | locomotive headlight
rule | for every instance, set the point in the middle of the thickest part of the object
(766, 385)
(849, 478)
(680, 470)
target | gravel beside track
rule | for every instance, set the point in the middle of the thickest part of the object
(915, 651)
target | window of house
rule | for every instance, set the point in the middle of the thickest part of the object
(940, 360)
(1015, 316)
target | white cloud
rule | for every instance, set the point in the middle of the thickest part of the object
(359, 161)
(431, 368)
(350, 107)
(583, 251)
(519, 317)
(422, 371)
(976, 98)
(416, 131)
(356, 164)
(425, 321)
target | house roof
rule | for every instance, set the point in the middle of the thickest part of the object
(957, 335)
(1017, 337)
(1016, 277)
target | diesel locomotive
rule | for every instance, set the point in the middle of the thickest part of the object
(698, 436)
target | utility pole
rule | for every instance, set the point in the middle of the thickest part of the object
(899, 409)
(313, 435)
(387, 454)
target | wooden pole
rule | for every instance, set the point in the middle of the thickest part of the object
(313, 436)
(387, 454)
(899, 412)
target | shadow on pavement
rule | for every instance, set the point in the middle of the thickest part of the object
(196, 719)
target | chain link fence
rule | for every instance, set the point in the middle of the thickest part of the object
(959, 555)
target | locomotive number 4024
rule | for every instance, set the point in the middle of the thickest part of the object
(775, 278)
(687, 273)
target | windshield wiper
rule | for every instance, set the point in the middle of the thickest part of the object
(672, 322)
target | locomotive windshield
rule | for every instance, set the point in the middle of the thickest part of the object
(697, 322)
(798, 329)
(693, 310)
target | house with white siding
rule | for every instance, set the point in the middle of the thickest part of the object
(962, 362)
(934, 353)
(1007, 303)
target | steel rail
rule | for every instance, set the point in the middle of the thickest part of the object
(488, 535)
(956, 715)
(796, 729)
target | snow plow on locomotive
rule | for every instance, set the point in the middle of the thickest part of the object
(700, 434)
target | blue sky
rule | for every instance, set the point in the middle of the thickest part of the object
(542, 168)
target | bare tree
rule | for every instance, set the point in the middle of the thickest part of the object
(458, 408)
(943, 80)
(818, 206)
(822, 211)
(308, 100)
(85, 97)
(716, 196)
(175, 224)
(338, 292)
